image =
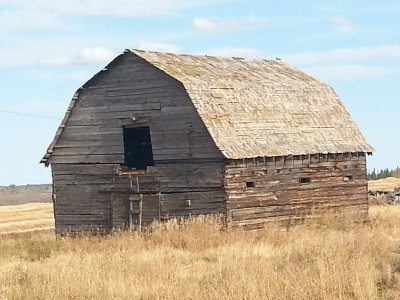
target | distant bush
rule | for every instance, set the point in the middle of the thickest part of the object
(14, 195)
(384, 173)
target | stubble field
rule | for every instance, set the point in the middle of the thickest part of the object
(330, 258)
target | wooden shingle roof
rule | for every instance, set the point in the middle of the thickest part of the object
(257, 108)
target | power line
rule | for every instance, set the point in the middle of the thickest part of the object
(28, 115)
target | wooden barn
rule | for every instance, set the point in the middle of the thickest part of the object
(159, 135)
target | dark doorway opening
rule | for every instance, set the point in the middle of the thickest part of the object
(138, 151)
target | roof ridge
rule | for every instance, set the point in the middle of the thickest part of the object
(247, 59)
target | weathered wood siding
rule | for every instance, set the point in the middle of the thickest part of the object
(78, 203)
(188, 165)
(337, 182)
(190, 175)
(133, 92)
(171, 190)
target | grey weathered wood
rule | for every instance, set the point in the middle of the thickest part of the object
(278, 192)
(191, 176)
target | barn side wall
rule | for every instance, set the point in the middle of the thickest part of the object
(283, 188)
(188, 165)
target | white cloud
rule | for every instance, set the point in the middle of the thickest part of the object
(351, 73)
(343, 26)
(88, 55)
(344, 65)
(58, 61)
(334, 28)
(47, 32)
(349, 64)
(132, 8)
(76, 77)
(376, 54)
(59, 48)
(18, 20)
(161, 47)
(96, 55)
(207, 25)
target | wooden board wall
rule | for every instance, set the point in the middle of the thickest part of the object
(133, 92)
(337, 182)
(188, 165)
(78, 205)
(171, 190)
(94, 197)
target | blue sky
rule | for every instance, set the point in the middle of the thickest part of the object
(49, 48)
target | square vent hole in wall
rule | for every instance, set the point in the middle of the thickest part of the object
(304, 180)
(348, 178)
(137, 148)
(250, 184)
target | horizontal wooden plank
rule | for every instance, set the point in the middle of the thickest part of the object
(84, 169)
(98, 142)
(257, 223)
(104, 150)
(93, 158)
(114, 108)
(76, 136)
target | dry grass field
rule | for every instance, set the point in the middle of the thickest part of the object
(26, 218)
(330, 258)
(388, 184)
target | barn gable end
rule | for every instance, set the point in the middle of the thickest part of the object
(156, 135)
(88, 154)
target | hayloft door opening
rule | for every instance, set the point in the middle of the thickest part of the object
(137, 146)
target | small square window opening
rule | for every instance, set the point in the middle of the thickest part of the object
(348, 178)
(250, 184)
(304, 180)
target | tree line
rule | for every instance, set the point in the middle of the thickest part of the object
(384, 173)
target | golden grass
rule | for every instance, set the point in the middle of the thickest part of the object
(331, 258)
(26, 217)
(389, 184)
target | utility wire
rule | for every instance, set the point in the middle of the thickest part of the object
(28, 115)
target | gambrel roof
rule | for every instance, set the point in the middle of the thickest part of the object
(260, 108)
(256, 108)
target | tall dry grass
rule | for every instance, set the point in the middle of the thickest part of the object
(331, 258)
